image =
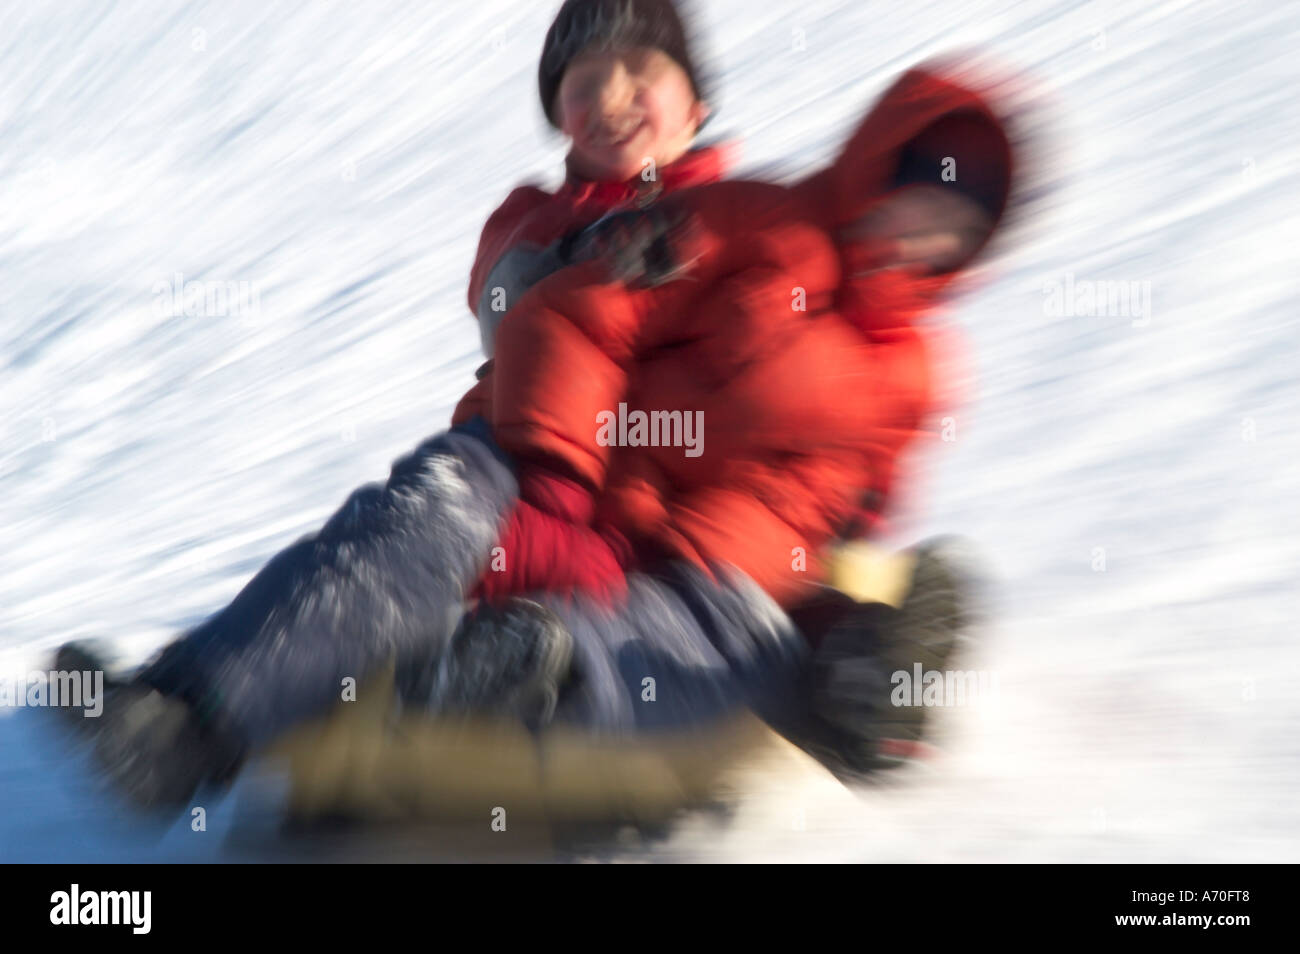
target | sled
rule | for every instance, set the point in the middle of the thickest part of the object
(369, 760)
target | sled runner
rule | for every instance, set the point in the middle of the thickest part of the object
(366, 761)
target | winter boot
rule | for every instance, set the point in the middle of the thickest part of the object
(856, 695)
(153, 748)
(509, 660)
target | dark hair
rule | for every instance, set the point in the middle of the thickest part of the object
(607, 24)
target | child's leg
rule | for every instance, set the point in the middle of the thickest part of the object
(385, 578)
(711, 647)
(683, 650)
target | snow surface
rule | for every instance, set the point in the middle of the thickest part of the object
(342, 157)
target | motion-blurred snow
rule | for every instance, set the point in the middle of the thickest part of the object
(340, 159)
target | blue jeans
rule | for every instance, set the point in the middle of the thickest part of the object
(685, 648)
(387, 578)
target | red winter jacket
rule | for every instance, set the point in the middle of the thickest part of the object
(807, 367)
(549, 542)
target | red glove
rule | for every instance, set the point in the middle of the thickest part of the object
(548, 544)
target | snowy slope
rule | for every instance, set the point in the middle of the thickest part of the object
(340, 160)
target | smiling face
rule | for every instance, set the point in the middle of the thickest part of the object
(623, 106)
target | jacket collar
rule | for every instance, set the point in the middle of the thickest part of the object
(701, 165)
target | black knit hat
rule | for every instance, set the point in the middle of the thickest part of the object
(609, 24)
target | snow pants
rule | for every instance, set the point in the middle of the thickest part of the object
(387, 577)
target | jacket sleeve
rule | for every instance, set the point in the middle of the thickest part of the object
(500, 232)
(773, 520)
(512, 257)
(564, 357)
(548, 543)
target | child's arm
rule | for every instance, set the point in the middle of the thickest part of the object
(639, 248)
(515, 251)
(548, 544)
(771, 522)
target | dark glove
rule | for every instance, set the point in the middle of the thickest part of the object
(641, 248)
